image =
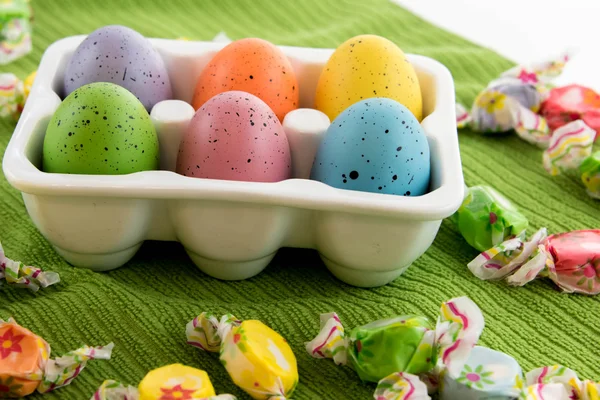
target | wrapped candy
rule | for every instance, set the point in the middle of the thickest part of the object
(25, 364)
(175, 381)
(590, 174)
(13, 94)
(490, 374)
(256, 357)
(486, 218)
(512, 101)
(15, 29)
(404, 344)
(486, 374)
(570, 103)
(569, 146)
(17, 274)
(571, 260)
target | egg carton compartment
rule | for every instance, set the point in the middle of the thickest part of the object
(230, 229)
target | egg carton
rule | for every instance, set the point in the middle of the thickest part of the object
(232, 230)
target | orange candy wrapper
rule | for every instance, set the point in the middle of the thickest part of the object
(26, 366)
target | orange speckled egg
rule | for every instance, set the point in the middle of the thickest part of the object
(254, 66)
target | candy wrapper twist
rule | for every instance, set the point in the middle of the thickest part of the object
(13, 94)
(512, 101)
(487, 218)
(20, 275)
(26, 366)
(256, 357)
(571, 260)
(404, 344)
(175, 381)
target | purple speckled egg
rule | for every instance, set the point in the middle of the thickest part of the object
(120, 55)
(235, 136)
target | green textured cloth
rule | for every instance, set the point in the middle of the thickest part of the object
(144, 306)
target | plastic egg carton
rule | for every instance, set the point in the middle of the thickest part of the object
(232, 230)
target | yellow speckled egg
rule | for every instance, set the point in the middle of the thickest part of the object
(363, 67)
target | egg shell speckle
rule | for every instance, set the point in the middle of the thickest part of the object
(100, 129)
(376, 145)
(367, 66)
(120, 55)
(235, 136)
(254, 66)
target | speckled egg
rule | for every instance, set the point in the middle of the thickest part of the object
(376, 145)
(254, 66)
(122, 56)
(363, 67)
(100, 129)
(235, 136)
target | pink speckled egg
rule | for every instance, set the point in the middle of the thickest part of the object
(235, 136)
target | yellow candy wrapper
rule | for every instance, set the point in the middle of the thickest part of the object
(171, 382)
(256, 357)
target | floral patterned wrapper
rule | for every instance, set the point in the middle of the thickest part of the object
(405, 344)
(571, 260)
(171, 382)
(590, 174)
(20, 275)
(570, 103)
(512, 101)
(487, 374)
(401, 386)
(15, 29)
(25, 364)
(256, 357)
(510, 106)
(486, 218)
(569, 146)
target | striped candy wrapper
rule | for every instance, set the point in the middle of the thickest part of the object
(569, 146)
(17, 274)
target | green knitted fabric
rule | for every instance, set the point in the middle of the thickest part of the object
(143, 307)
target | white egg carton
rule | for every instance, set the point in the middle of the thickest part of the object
(232, 230)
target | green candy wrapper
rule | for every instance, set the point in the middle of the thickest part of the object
(486, 218)
(590, 174)
(408, 344)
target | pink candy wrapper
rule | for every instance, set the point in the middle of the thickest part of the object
(570, 103)
(571, 260)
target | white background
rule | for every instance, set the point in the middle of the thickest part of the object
(525, 30)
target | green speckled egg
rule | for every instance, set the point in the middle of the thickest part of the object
(100, 129)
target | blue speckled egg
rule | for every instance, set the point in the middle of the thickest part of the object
(375, 145)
